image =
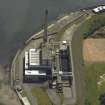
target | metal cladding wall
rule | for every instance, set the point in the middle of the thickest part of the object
(65, 60)
(36, 78)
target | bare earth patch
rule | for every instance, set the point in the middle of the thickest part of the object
(7, 95)
(94, 50)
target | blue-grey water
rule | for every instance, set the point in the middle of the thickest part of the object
(19, 19)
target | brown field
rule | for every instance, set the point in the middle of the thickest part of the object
(94, 50)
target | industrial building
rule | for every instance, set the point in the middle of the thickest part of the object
(34, 71)
(51, 63)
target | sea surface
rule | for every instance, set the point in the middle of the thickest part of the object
(19, 19)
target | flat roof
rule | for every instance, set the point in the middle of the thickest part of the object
(34, 57)
(34, 72)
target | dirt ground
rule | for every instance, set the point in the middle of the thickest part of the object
(94, 50)
(7, 96)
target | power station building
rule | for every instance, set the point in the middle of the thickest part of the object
(39, 67)
(34, 71)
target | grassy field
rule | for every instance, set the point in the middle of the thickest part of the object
(91, 25)
(92, 73)
(88, 27)
(41, 96)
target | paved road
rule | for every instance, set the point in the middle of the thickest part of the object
(77, 58)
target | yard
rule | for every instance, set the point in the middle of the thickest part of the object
(41, 95)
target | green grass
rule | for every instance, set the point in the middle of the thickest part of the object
(91, 85)
(100, 70)
(91, 25)
(92, 73)
(88, 27)
(61, 98)
(41, 96)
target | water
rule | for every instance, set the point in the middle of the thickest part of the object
(19, 19)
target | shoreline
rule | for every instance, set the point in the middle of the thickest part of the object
(52, 24)
(62, 20)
